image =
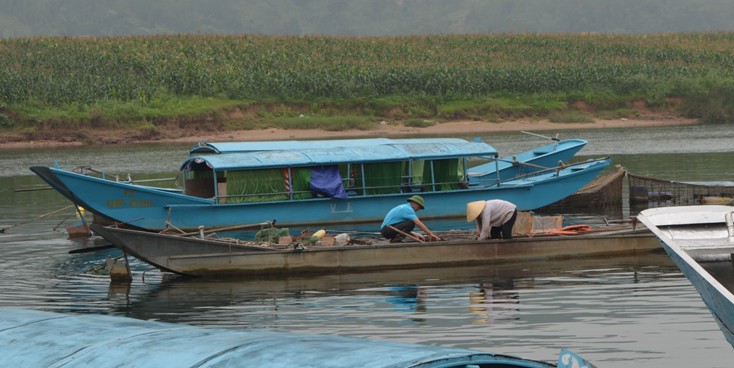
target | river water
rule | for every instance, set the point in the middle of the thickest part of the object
(615, 312)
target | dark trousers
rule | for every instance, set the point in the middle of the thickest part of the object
(405, 226)
(504, 231)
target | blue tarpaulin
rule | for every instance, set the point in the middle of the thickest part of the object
(44, 339)
(327, 181)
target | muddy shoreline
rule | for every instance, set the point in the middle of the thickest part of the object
(381, 130)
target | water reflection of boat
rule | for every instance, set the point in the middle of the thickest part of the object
(495, 301)
(181, 299)
(216, 257)
(700, 241)
(320, 183)
(31, 338)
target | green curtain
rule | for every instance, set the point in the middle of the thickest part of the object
(419, 167)
(383, 178)
(256, 186)
(448, 173)
(301, 179)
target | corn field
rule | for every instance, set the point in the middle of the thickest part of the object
(56, 71)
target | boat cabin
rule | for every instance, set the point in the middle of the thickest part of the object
(253, 172)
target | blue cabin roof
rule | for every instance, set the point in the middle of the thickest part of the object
(235, 147)
(314, 153)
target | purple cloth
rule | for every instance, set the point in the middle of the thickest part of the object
(327, 181)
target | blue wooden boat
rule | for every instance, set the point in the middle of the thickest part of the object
(30, 338)
(316, 184)
(537, 159)
(700, 241)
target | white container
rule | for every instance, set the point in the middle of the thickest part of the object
(342, 239)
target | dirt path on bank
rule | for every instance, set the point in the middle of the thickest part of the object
(381, 130)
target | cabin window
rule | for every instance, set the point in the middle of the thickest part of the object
(199, 183)
(300, 181)
(352, 178)
(326, 181)
(413, 179)
(256, 186)
(447, 175)
(383, 178)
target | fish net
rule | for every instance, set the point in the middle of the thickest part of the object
(661, 193)
(604, 191)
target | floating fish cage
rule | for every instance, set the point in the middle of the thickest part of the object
(661, 193)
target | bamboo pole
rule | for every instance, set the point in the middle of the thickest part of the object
(230, 228)
(37, 218)
(406, 234)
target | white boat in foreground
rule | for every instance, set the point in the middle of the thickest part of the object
(700, 240)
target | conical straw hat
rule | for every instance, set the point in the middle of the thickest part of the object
(473, 209)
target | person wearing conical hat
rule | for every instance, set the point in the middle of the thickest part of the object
(495, 218)
(405, 219)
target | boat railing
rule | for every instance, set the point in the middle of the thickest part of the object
(483, 183)
(128, 179)
(351, 192)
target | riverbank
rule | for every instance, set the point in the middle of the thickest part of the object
(106, 137)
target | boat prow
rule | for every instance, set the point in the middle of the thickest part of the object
(700, 241)
(529, 161)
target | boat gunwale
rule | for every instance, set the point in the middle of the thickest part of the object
(677, 251)
(448, 243)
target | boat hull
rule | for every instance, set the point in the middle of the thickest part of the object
(201, 257)
(527, 162)
(153, 209)
(698, 242)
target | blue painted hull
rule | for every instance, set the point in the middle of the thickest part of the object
(531, 161)
(149, 208)
(44, 339)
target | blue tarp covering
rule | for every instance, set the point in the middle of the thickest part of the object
(43, 339)
(327, 181)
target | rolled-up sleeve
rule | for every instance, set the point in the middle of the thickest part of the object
(485, 227)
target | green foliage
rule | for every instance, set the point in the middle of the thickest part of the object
(502, 107)
(5, 122)
(713, 104)
(418, 123)
(617, 113)
(331, 123)
(601, 99)
(570, 117)
(119, 80)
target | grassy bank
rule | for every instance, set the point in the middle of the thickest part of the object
(151, 84)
